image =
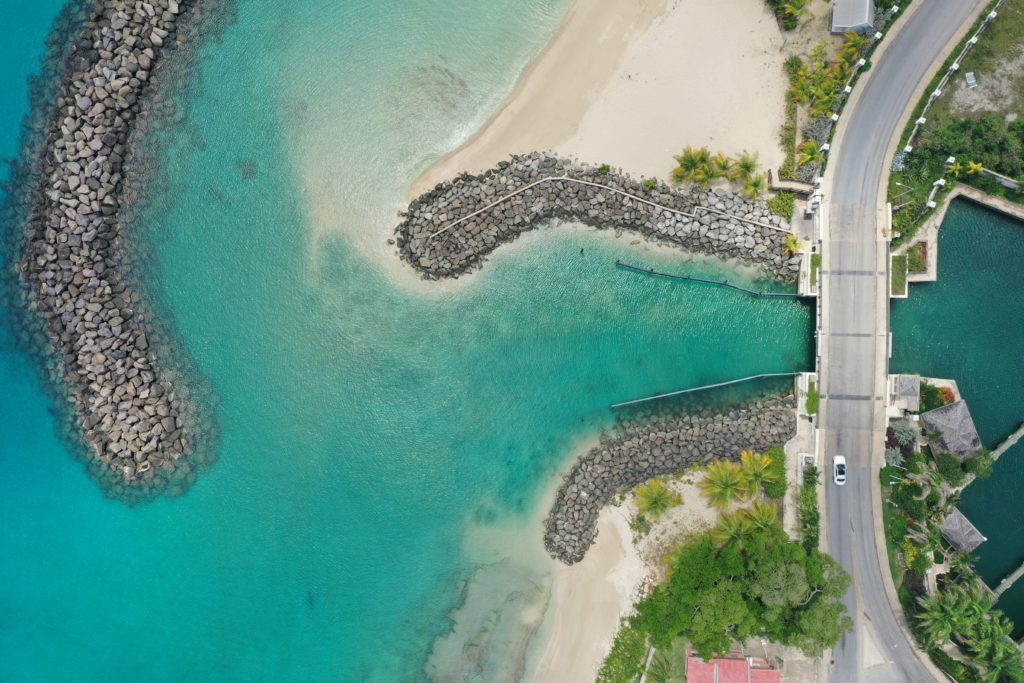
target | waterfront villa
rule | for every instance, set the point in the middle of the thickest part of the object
(955, 428)
(959, 531)
(732, 669)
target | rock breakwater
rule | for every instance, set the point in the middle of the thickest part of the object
(114, 372)
(450, 229)
(640, 451)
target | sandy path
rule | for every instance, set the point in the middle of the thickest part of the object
(631, 83)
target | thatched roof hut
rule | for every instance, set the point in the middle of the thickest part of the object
(959, 531)
(957, 433)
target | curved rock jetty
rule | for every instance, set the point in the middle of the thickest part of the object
(638, 452)
(105, 359)
(449, 230)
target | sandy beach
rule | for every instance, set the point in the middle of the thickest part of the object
(588, 598)
(631, 83)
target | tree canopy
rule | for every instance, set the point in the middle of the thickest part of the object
(757, 584)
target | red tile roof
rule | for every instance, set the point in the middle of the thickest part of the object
(699, 671)
(765, 676)
(723, 670)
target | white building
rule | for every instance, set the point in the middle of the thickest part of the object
(853, 15)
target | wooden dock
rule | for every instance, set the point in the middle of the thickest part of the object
(1007, 582)
(1009, 443)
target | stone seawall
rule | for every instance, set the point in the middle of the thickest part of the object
(638, 452)
(443, 236)
(113, 373)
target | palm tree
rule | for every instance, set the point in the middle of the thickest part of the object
(942, 615)
(722, 166)
(974, 167)
(745, 167)
(755, 186)
(757, 466)
(954, 169)
(793, 8)
(762, 514)
(802, 86)
(735, 527)
(986, 641)
(654, 498)
(724, 483)
(853, 46)
(810, 153)
(691, 162)
(792, 245)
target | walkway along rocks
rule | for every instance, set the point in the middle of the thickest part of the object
(434, 240)
(116, 378)
(638, 452)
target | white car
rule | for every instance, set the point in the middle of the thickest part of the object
(839, 470)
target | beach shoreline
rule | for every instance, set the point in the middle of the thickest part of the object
(606, 89)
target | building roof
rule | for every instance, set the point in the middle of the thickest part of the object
(728, 670)
(849, 15)
(908, 386)
(959, 531)
(957, 433)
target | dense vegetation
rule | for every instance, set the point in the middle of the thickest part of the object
(986, 142)
(758, 583)
(923, 492)
(807, 509)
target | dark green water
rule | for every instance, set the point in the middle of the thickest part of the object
(969, 326)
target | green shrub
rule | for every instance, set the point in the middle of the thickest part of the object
(932, 499)
(776, 489)
(915, 508)
(898, 528)
(650, 183)
(979, 464)
(783, 204)
(625, 663)
(931, 397)
(604, 169)
(905, 433)
(950, 469)
(893, 457)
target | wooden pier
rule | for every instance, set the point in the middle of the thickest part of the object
(1010, 442)
(1007, 582)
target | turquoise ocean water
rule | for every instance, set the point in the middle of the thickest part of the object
(385, 444)
(969, 326)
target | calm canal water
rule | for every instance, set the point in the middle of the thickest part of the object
(969, 326)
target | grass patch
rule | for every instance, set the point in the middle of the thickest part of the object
(813, 401)
(815, 267)
(999, 43)
(783, 204)
(899, 275)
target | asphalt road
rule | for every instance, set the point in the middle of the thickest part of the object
(854, 338)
